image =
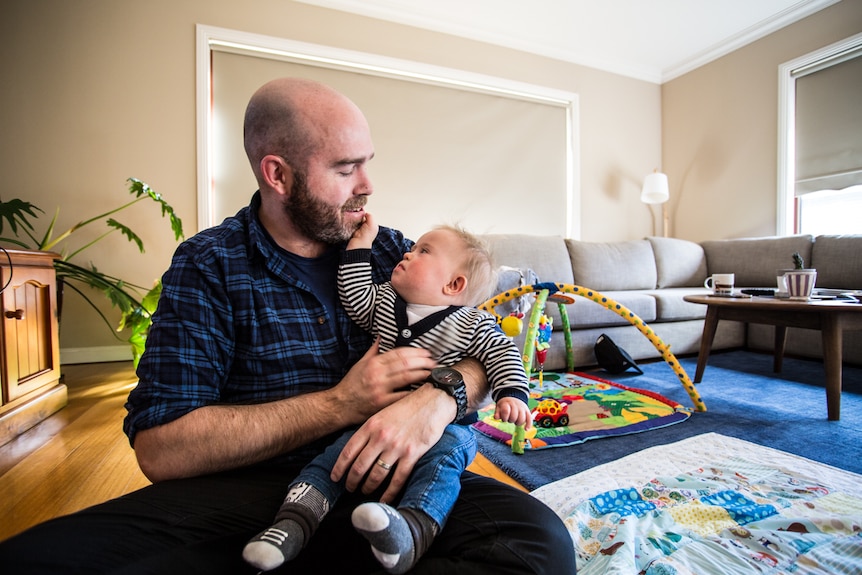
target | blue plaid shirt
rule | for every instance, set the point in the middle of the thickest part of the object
(235, 326)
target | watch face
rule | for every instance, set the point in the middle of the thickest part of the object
(447, 376)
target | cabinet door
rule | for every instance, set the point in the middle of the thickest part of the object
(29, 331)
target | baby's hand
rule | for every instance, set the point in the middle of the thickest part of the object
(364, 235)
(512, 410)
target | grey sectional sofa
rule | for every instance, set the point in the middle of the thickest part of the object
(651, 276)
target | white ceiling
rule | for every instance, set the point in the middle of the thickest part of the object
(652, 40)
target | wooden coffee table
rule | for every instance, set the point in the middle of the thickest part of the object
(831, 317)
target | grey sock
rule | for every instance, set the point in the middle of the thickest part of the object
(391, 535)
(277, 544)
(297, 519)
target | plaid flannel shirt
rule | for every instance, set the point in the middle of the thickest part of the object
(233, 326)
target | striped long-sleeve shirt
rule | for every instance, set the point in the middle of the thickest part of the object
(450, 334)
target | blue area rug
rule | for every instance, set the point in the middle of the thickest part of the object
(744, 399)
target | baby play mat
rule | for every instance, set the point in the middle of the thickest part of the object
(570, 408)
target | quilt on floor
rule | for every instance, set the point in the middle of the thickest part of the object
(570, 408)
(743, 509)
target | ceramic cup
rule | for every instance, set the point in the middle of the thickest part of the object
(781, 283)
(800, 283)
(720, 284)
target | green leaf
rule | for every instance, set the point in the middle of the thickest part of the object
(18, 213)
(133, 237)
(139, 188)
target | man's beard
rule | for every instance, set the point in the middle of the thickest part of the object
(316, 219)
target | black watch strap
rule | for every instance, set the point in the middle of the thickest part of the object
(460, 396)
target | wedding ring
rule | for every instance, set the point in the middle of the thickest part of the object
(384, 465)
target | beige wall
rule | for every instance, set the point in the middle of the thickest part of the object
(720, 130)
(95, 91)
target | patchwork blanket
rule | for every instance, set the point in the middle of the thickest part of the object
(712, 504)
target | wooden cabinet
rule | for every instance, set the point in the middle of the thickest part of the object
(30, 388)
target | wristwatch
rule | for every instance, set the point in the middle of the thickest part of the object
(452, 382)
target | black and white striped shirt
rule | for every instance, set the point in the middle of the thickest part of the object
(449, 334)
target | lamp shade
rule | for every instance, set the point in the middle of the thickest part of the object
(655, 190)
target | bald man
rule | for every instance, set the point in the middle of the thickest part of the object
(252, 367)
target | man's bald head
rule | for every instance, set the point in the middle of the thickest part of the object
(288, 117)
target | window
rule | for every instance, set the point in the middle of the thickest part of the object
(830, 211)
(820, 141)
(452, 146)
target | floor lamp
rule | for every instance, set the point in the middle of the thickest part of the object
(655, 191)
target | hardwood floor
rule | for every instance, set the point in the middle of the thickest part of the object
(75, 458)
(79, 456)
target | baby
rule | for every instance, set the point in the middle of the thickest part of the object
(429, 303)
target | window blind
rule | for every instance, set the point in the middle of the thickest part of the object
(492, 164)
(829, 123)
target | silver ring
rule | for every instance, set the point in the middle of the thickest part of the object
(384, 465)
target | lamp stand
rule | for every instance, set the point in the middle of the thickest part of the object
(665, 220)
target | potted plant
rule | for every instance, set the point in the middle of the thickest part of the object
(800, 280)
(136, 303)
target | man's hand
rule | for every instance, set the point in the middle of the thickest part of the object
(403, 432)
(399, 434)
(380, 379)
(364, 235)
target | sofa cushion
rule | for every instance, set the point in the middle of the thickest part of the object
(679, 263)
(545, 255)
(838, 260)
(670, 305)
(628, 265)
(755, 260)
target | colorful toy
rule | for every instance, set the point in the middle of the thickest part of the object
(509, 278)
(543, 344)
(543, 291)
(513, 324)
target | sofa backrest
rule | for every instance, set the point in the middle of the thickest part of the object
(679, 263)
(755, 261)
(627, 265)
(838, 260)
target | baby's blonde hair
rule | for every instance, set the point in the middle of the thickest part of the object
(478, 266)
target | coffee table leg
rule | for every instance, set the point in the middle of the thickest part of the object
(778, 348)
(832, 359)
(709, 326)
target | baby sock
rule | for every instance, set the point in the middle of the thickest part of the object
(298, 518)
(398, 537)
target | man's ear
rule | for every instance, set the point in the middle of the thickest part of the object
(276, 173)
(456, 286)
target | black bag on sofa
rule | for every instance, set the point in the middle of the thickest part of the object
(613, 358)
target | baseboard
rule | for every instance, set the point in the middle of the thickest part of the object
(71, 355)
(24, 416)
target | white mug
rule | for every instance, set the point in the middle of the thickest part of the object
(720, 284)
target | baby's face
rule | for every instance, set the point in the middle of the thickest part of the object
(425, 272)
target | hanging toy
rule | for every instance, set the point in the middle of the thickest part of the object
(513, 324)
(509, 278)
(543, 343)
